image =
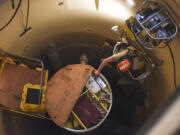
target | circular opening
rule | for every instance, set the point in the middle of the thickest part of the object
(93, 106)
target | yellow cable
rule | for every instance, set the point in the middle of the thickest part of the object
(27, 114)
(84, 92)
(80, 122)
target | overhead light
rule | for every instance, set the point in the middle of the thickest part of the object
(115, 9)
(130, 3)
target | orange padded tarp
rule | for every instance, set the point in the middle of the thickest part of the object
(64, 89)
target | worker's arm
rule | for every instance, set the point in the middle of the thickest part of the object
(112, 58)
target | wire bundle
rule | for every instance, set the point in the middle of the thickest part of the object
(14, 14)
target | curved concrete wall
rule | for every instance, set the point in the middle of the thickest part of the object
(52, 19)
(61, 22)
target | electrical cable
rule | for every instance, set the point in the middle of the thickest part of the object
(26, 29)
(11, 19)
(13, 5)
(174, 65)
(27, 17)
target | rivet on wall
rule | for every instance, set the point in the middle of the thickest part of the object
(27, 48)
